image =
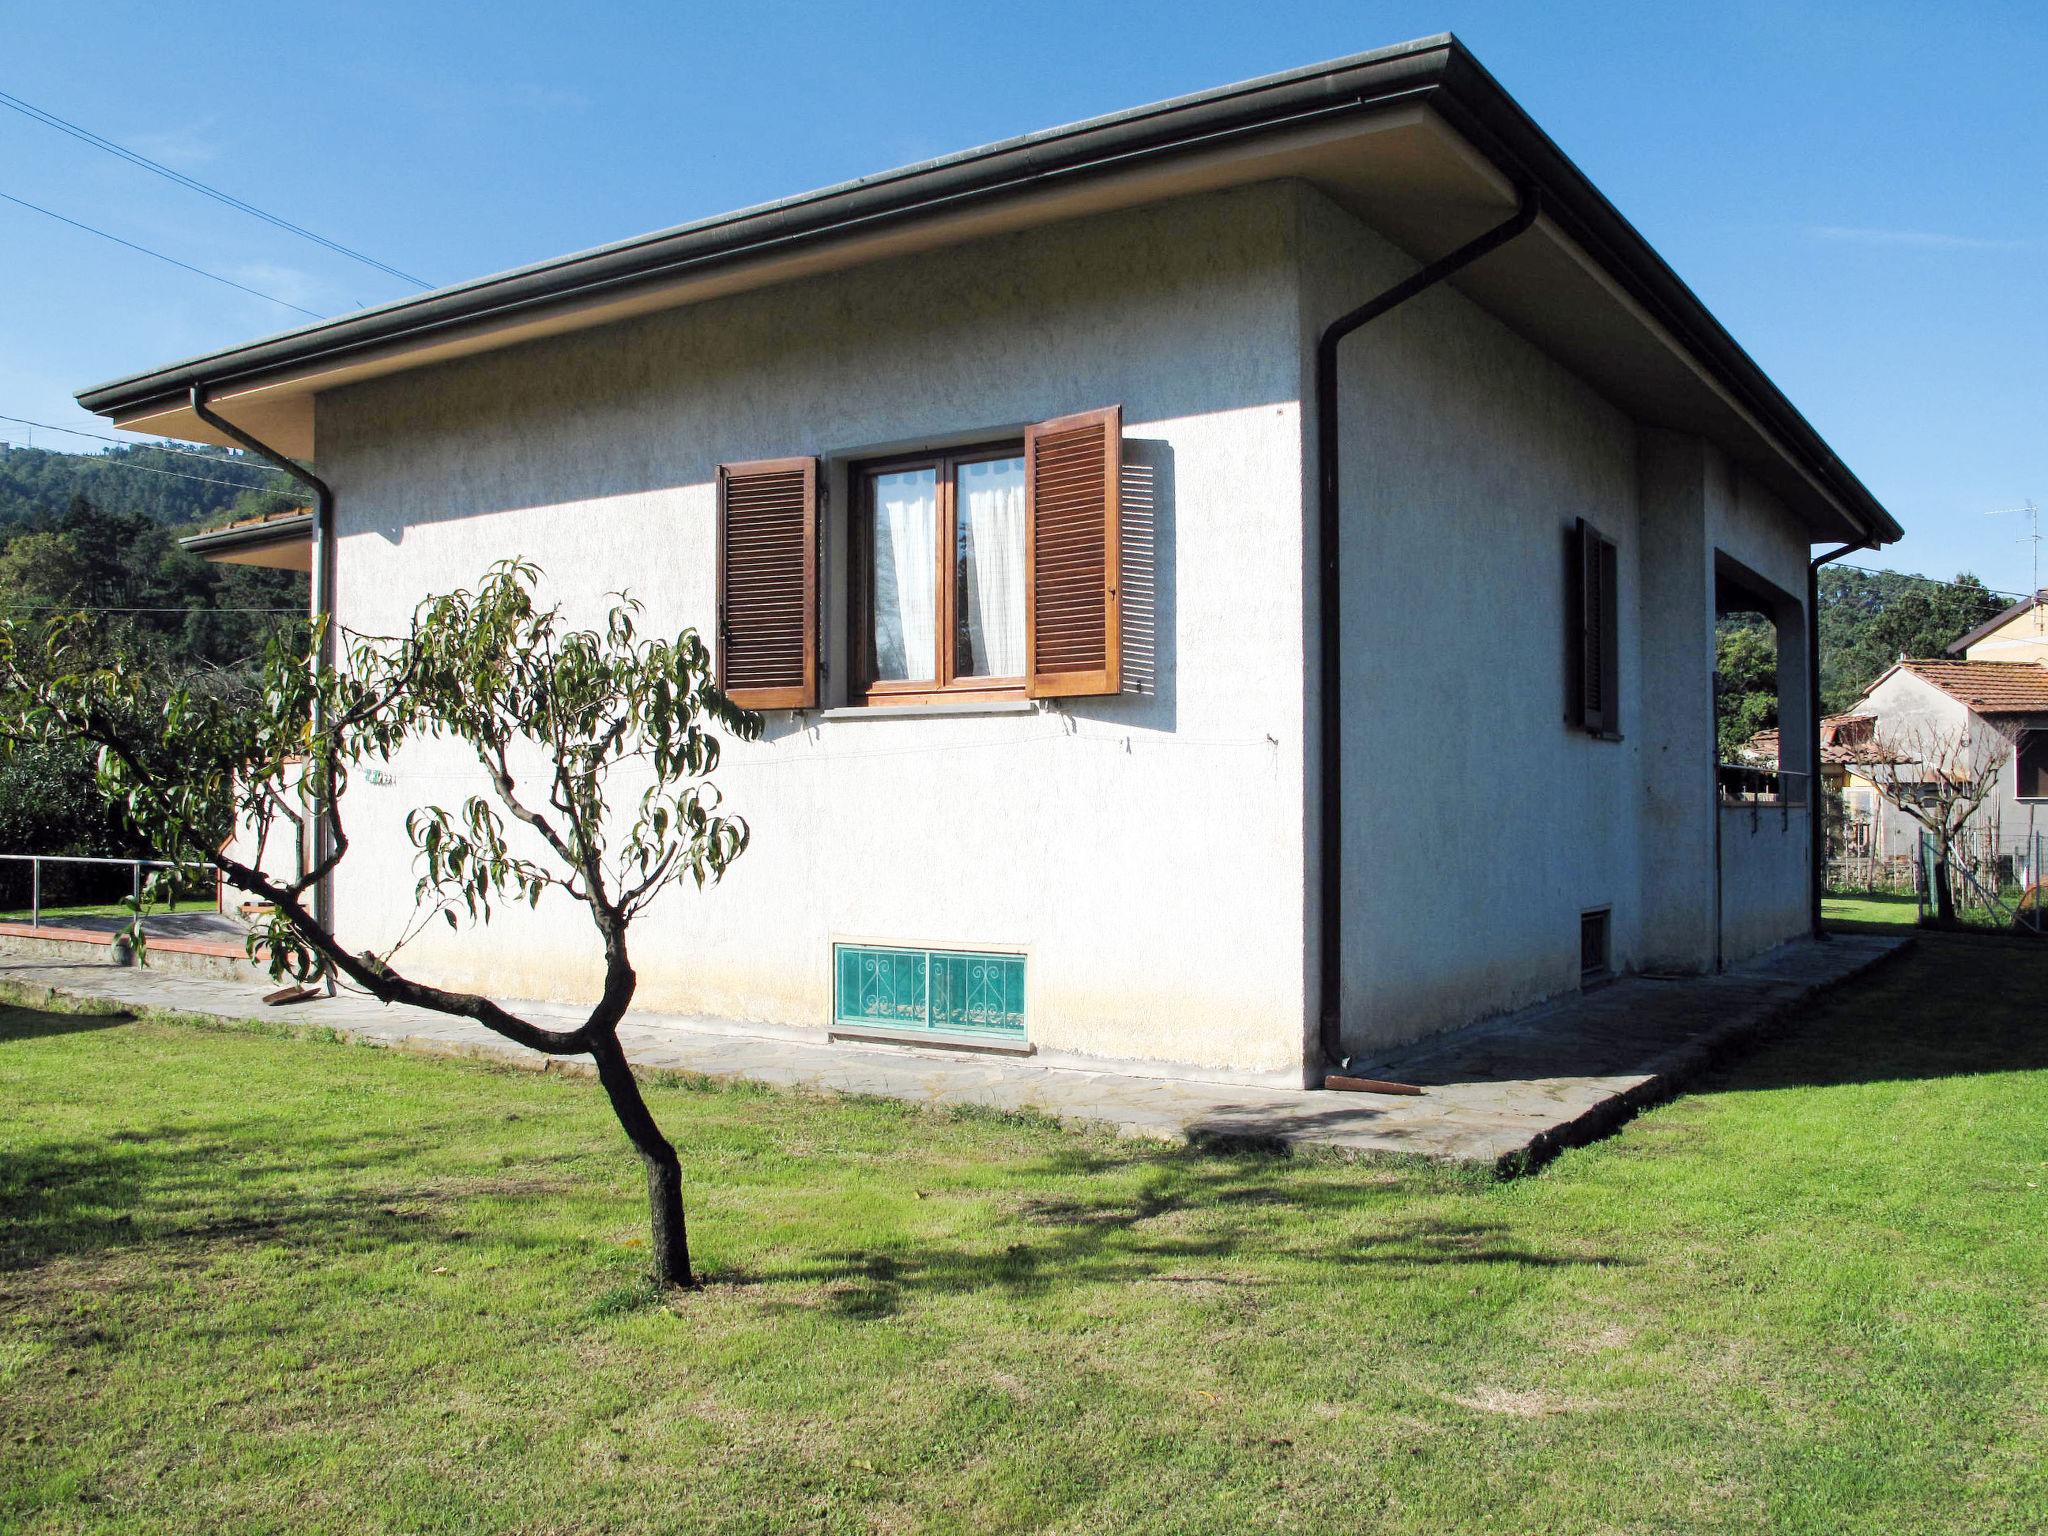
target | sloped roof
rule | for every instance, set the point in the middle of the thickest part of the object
(1841, 744)
(1996, 622)
(1417, 140)
(1989, 687)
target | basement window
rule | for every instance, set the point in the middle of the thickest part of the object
(961, 996)
(1595, 951)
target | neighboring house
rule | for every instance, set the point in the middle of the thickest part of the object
(1847, 750)
(1001, 485)
(2003, 706)
(2020, 633)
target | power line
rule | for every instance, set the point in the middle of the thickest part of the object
(233, 485)
(87, 136)
(159, 255)
(96, 608)
(1937, 581)
(129, 442)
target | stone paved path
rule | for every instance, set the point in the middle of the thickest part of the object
(1507, 1092)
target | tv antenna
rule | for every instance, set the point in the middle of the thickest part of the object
(2032, 512)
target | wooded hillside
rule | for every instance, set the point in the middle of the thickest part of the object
(95, 534)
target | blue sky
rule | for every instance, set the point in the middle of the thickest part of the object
(1855, 190)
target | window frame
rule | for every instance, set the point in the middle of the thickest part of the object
(2032, 739)
(948, 687)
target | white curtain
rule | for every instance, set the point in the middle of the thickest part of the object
(906, 575)
(989, 510)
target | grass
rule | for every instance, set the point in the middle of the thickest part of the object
(1881, 908)
(1886, 909)
(250, 1282)
(52, 914)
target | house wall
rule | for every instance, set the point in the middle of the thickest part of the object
(1901, 703)
(2024, 637)
(1677, 890)
(1477, 825)
(1145, 850)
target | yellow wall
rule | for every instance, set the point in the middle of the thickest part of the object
(2023, 638)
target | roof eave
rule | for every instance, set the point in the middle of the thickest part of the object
(1438, 71)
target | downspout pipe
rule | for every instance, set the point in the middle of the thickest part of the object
(1817, 873)
(1329, 628)
(322, 603)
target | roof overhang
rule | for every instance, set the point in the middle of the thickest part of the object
(279, 543)
(1417, 140)
(1996, 622)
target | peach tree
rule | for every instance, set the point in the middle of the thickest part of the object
(596, 746)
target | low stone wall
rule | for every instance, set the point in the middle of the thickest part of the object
(214, 960)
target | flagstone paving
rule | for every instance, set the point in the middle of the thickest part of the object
(1507, 1092)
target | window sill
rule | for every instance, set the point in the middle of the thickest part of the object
(917, 711)
(878, 1034)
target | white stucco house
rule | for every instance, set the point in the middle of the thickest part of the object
(1100, 518)
(1994, 711)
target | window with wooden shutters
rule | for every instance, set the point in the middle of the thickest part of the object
(1073, 639)
(989, 572)
(767, 583)
(1593, 649)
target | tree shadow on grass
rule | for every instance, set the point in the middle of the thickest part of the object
(17, 1023)
(1952, 1005)
(1201, 1220)
(181, 1194)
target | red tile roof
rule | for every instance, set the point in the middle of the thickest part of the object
(1845, 740)
(1989, 687)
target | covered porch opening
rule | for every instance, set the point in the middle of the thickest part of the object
(1764, 783)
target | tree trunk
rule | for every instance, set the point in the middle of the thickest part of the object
(667, 1236)
(1944, 896)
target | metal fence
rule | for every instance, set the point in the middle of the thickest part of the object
(36, 882)
(1996, 875)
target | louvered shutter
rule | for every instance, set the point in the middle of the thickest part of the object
(1072, 619)
(768, 583)
(1594, 662)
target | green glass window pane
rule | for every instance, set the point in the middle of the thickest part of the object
(947, 991)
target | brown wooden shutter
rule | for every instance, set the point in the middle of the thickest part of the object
(1594, 660)
(1073, 632)
(768, 583)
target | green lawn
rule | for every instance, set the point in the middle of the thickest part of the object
(1880, 907)
(1888, 910)
(57, 915)
(259, 1283)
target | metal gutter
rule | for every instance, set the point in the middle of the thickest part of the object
(240, 536)
(1364, 81)
(321, 521)
(1436, 71)
(1329, 627)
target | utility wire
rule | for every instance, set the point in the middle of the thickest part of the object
(175, 474)
(87, 136)
(96, 608)
(158, 446)
(1870, 570)
(159, 255)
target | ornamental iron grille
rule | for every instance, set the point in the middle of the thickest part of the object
(936, 991)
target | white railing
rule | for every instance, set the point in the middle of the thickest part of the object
(36, 861)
